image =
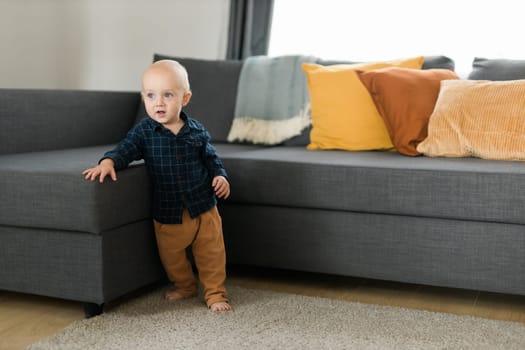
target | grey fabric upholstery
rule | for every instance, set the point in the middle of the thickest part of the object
(226, 149)
(380, 182)
(39, 120)
(497, 69)
(79, 266)
(450, 253)
(46, 190)
(438, 62)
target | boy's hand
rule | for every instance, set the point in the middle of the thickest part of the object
(106, 167)
(221, 186)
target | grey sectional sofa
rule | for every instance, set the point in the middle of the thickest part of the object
(438, 221)
(60, 235)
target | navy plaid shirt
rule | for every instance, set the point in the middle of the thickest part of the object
(181, 166)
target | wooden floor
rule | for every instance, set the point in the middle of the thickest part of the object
(25, 319)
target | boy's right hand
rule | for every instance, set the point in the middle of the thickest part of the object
(106, 167)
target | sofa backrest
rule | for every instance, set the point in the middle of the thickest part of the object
(214, 85)
(39, 120)
(431, 62)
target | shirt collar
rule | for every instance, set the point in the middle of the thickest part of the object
(158, 126)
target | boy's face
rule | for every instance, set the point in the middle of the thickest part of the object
(164, 95)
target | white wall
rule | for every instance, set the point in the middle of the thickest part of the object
(103, 44)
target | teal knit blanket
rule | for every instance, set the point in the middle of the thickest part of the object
(272, 103)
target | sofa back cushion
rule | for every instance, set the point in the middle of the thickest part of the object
(214, 87)
(431, 62)
(39, 120)
(497, 69)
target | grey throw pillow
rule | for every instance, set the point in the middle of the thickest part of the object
(497, 69)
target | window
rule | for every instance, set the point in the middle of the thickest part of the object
(370, 30)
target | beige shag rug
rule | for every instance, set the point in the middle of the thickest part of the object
(271, 320)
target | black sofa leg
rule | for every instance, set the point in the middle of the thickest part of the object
(92, 309)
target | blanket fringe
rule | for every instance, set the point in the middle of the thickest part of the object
(268, 132)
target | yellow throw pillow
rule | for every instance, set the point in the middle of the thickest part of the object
(344, 115)
(478, 118)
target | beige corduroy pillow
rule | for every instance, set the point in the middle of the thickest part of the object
(477, 118)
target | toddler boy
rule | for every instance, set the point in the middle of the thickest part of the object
(187, 177)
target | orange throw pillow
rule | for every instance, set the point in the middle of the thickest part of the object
(405, 99)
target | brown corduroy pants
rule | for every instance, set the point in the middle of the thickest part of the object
(204, 234)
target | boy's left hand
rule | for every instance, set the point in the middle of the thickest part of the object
(221, 186)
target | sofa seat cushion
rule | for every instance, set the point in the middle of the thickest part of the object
(228, 149)
(47, 190)
(380, 182)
